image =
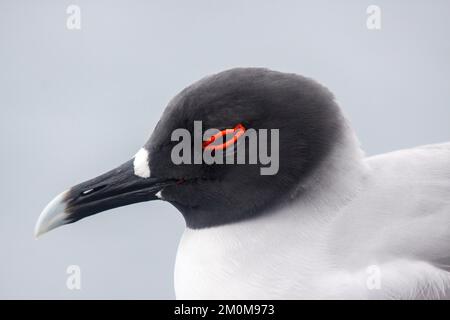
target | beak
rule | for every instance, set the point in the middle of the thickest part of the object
(116, 188)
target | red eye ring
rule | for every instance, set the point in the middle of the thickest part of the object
(237, 132)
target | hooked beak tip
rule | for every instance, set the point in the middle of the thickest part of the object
(52, 216)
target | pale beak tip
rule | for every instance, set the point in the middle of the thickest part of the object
(52, 216)
(38, 231)
(37, 235)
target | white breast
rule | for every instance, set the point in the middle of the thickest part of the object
(283, 256)
(250, 260)
(253, 260)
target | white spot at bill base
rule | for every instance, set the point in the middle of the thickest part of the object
(140, 163)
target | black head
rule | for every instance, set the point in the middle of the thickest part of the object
(309, 123)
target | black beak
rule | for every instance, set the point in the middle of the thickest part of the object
(116, 188)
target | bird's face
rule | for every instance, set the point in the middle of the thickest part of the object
(301, 121)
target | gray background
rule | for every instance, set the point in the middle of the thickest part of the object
(77, 103)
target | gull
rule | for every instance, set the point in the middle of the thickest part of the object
(331, 223)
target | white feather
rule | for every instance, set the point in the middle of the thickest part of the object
(140, 164)
(390, 211)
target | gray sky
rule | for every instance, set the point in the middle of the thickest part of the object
(76, 103)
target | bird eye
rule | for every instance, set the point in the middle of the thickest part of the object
(234, 134)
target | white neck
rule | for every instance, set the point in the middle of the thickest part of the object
(338, 179)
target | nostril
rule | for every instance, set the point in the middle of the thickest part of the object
(91, 190)
(87, 192)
